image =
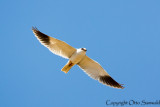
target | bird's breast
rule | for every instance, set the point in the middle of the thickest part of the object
(77, 56)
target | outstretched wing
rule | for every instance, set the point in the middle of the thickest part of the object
(94, 70)
(56, 46)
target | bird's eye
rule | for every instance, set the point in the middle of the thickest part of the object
(83, 49)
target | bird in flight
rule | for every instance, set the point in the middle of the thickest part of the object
(76, 56)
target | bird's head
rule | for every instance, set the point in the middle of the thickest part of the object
(84, 49)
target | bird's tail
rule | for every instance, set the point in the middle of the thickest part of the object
(67, 67)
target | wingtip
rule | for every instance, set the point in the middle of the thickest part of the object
(107, 80)
(122, 87)
(43, 38)
(34, 29)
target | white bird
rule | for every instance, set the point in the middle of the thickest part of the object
(76, 56)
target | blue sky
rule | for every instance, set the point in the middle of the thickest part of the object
(122, 35)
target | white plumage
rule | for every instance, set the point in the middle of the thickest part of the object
(76, 56)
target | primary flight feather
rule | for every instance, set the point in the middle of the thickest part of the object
(76, 56)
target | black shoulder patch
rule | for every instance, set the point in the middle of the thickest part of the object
(110, 82)
(41, 36)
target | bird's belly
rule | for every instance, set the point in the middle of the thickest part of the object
(75, 58)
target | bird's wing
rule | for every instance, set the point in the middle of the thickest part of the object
(94, 70)
(56, 46)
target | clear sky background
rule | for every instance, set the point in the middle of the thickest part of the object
(122, 35)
